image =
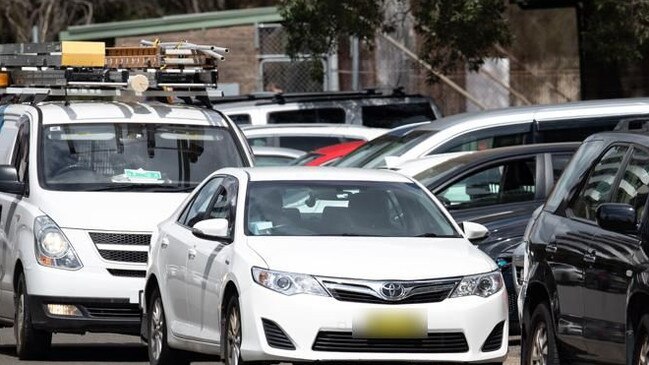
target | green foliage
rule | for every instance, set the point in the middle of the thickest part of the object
(453, 31)
(616, 30)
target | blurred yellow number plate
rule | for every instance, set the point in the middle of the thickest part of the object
(391, 323)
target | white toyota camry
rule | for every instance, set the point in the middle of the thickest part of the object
(305, 264)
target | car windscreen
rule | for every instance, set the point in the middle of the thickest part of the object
(133, 156)
(343, 208)
(373, 153)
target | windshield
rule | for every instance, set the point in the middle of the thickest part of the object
(343, 208)
(133, 156)
(373, 153)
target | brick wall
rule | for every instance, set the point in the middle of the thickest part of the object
(241, 65)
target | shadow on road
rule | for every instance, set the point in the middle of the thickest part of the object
(90, 352)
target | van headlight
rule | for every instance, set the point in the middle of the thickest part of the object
(52, 247)
(287, 283)
(483, 285)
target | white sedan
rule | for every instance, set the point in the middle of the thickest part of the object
(320, 264)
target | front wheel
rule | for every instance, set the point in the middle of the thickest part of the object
(232, 351)
(641, 350)
(30, 343)
(541, 346)
(159, 351)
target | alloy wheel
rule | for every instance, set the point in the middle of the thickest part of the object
(643, 356)
(156, 329)
(234, 337)
(539, 351)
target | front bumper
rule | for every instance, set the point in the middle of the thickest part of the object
(303, 317)
(97, 315)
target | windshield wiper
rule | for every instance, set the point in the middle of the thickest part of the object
(430, 234)
(143, 187)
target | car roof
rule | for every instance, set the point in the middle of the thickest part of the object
(302, 173)
(306, 126)
(60, 112)
(312, 129)
(276, 151)
(541, 113)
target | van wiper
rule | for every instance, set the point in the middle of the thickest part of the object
(143, 187)
(430, 234)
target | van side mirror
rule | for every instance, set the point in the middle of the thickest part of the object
(474, 232)
(212, 229)
(9, 182)
(617, 217)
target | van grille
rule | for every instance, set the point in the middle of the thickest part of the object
(122, 247)
(124, 256)
(139, 239)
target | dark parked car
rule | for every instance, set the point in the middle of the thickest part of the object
(499, 188)
(585, 289)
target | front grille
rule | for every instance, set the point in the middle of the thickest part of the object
(511, 293)
(370, 291)
(495, 339)
(113, 310)
(131, 239)
(275, 336)
(435, 343)
(127, 273)
(124, 256)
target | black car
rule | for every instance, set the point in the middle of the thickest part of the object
(585, 289)
(499, 188)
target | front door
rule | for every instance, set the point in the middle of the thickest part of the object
(208, 265)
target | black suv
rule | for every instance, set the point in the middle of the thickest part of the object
(585, 293)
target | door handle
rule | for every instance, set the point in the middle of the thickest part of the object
(164, 242)
(590, 257)
(191, 254)
(551, 248)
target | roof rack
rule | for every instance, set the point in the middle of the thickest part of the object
(279, 98)
(38, 71)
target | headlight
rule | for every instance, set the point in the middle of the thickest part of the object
(482, 285)
(52, 247)
(287, 283)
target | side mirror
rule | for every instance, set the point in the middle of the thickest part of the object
(474, 232)
(212, 229)
(9, 182)
(617, 217)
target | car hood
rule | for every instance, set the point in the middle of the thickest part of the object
(111, 211)
(373, 258)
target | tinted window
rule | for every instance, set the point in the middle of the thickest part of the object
(372, 154)
(21, 151)
(394, 115)
(559, 163)
(572, 130)
(509, 182)
(240, 119)
(309, 143)
(260, 141)
(336, 208)
(324, 115)
(8, 133)
(476, 143)
(634, 184)
(197, 209)
(597, 188)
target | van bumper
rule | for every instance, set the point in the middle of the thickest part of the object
(112, 315)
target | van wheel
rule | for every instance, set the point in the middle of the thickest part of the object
(641, 350)
(541, 345)
(159, 351)
(31, 343)
(232, 335)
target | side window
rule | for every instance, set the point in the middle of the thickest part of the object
(197, 208)
(21, 151)
(509, 182)
(224, 203)
(260, 141)
(633, 188)
(240, 119)
(8, 135)
(597, 188)
(559, 163)
(322, 115)
(394, 115)
(486, 138)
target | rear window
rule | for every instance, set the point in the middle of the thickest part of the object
(310, 143)
(394, 115)
(323, 115)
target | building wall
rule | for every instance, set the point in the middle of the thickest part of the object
(241, 64)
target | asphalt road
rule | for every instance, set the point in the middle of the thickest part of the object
(105, 349)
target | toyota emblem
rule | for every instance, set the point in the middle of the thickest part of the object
(392, 290)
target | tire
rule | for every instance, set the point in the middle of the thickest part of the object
(540, 347)
(31, 344)
(232, 333)
(158, 348)
(641, 347)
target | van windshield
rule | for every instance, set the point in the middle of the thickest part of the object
(133, 156)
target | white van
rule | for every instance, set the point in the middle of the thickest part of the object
(82, 186)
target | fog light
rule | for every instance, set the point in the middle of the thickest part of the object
(63, 310)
